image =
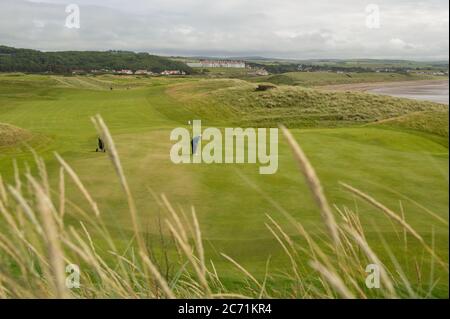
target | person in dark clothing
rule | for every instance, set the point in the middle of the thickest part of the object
(101, 146)
(194, 144)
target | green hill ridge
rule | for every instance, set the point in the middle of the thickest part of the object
(26, 60)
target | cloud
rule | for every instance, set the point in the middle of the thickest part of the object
(409, 29)
(400, 44)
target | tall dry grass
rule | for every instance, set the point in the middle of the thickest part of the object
(43, 231)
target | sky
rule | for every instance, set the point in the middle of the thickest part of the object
(295, 29)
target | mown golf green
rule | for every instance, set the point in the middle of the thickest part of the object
(349, 137)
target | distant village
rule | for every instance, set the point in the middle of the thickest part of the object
(260, 70)
(202, 64)
(128, 72)
(229, 64)
(342, 70)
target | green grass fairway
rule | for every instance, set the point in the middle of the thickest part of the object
(401, 165)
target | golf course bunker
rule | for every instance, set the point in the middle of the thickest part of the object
(434, 91)
(11, 135)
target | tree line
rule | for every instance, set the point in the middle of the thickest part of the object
(33, 61)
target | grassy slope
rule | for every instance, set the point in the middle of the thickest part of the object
(237, 102)
(223, 72)
(434, 122)
(381, 162)
(310, 79)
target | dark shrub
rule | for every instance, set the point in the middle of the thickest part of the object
(265, 87)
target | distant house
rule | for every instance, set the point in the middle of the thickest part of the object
(125, 72)
(262, 72)
(143, 72)
(386, 70)
(173, 72)
(259, 72)
(78, 72)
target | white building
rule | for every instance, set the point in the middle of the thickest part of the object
(173, 72)
(218, 64)
(127, 72)
(143, 72)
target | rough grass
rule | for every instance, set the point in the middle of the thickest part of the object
(11, 135)
(239, 102)
(310, 79)
(434, 122)
(223, 72)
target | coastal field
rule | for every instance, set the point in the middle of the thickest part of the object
(394, 149)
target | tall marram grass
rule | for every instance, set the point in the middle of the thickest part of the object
(37, 243)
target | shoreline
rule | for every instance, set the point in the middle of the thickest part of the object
(426, 90)
(367, 86)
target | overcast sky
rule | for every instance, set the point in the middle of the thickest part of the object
(409, 29)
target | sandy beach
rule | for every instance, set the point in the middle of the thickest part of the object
(429, 90)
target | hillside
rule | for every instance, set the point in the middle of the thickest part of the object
(310, 79)
(25, 60)
(237, 102)
(434, 122)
